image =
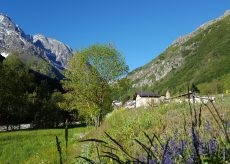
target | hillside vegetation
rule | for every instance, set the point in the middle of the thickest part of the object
(170, 123)
(201, 57)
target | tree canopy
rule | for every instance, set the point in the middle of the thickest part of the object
(26, 96)
(88, 78)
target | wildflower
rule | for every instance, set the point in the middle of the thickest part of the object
(202, 147)
(212, 146)
(167, 158)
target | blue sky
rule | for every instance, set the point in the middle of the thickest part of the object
(140, 29)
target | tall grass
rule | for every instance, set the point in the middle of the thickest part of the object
(177, 133)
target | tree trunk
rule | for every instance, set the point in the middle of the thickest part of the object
(97, 121)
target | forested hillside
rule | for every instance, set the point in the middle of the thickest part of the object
(201, 57)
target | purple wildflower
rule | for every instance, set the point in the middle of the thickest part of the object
(167, 157)
(151, 161)
(212, 146)
(202, 147)
(184, 144)
(174, 148)
(190, 160)
(195, 139)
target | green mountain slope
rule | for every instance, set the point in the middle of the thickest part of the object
(200, 58)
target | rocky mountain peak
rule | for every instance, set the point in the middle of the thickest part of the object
(4, 17)
(37, 48)
(227, 12)
(13, 39)
(8, 26)
(56, 51)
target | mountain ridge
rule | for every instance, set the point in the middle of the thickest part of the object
(51, 54)
(56, 51)
(163, 72)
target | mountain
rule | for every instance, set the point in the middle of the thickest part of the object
(56, 51)
(12, 39)
(199, 58)
(47, 55)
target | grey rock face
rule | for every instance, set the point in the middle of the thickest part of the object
(56, 51)
(155, 70)
(38, 47)
(13, 39)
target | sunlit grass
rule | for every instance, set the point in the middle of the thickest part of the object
(37, 146)
(126, 126)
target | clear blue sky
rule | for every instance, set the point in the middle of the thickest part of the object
(140, 29)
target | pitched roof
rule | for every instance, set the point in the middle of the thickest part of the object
(147, 94)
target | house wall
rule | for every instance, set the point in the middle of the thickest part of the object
(146, 101)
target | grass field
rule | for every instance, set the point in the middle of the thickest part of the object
(166, 121)
(37, 146)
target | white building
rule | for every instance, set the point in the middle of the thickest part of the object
(146, 99)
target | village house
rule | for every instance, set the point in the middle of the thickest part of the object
(146, 99)
(193, 98)
(150, 99)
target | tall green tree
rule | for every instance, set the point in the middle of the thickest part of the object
(89, 75)
(15, 81)
(122, 90)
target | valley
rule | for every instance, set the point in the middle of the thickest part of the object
(86, 106)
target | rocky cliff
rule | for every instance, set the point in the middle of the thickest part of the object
(47, 54)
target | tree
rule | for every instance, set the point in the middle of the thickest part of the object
(89, 75)
(122, 89)
(27, 96)
(15, 81)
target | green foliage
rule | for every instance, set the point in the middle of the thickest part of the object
(42, 67)
(206, 58)
(122, 89)
(225, 81)
(89, 75)
(128, 126)
(15, 81)
(25, 100)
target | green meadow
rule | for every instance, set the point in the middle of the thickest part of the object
(38, 146)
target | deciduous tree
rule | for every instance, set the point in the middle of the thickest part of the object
(89, 75)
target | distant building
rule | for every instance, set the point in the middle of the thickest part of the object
(167, 95)
(190, 96)
(116, 104)
(146, 99)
